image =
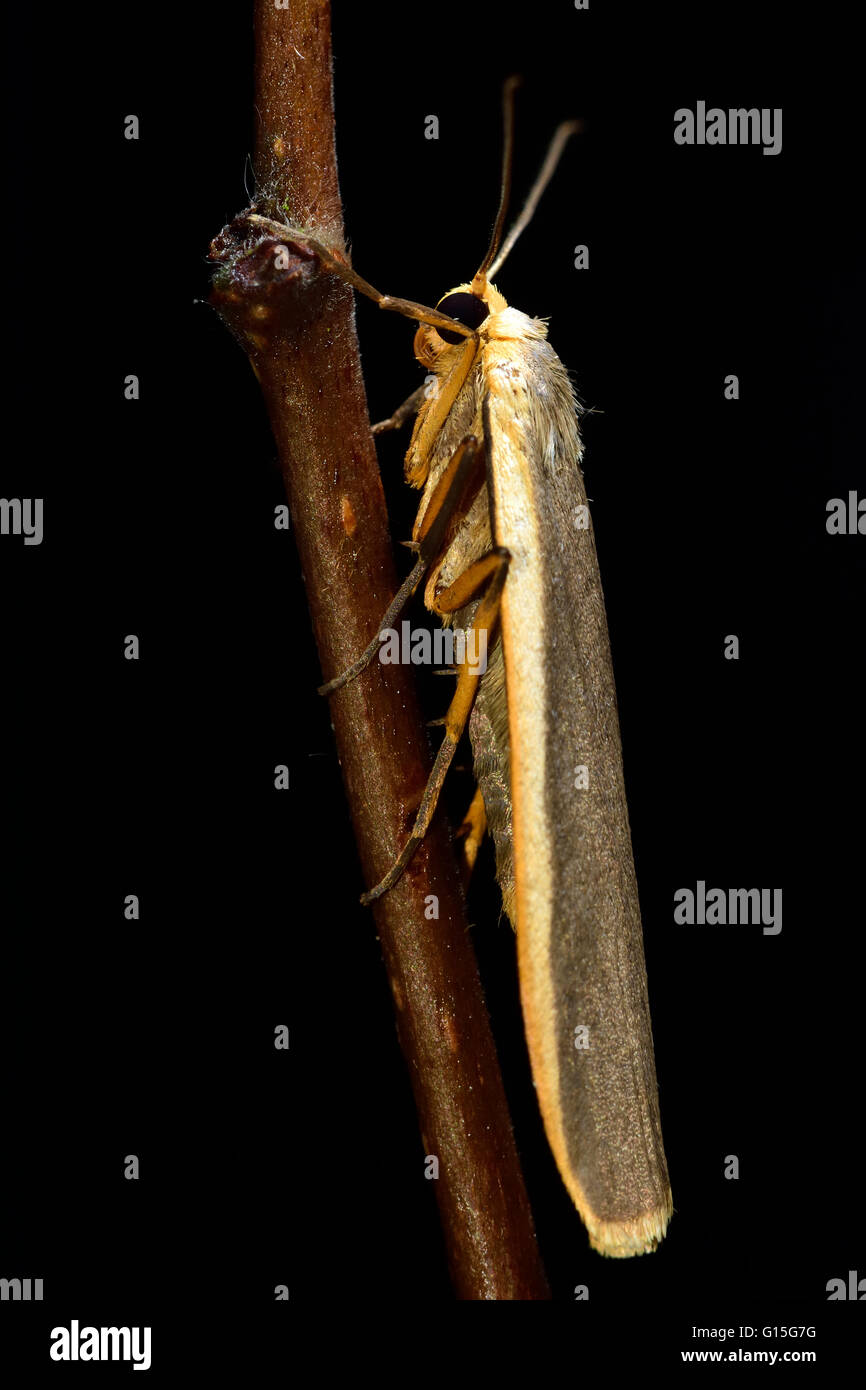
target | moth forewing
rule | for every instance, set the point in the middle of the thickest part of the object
(580, 948)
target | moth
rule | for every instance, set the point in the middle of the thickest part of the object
(505, 547)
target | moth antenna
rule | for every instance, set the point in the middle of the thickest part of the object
(510, 87)
(561, 136)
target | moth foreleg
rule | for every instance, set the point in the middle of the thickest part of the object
(410, 406)
(431, 421)
(487, 574)
(337, 266)
(465, 471)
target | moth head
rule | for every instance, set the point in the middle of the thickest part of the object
(466, 307)
(465, 304)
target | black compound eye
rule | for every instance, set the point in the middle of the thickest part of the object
(467, 308)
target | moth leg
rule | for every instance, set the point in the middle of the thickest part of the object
(429, 424)
(339, 267)
(472, 831)
(465, 470)
(410, 406)
(488, 574)
(491, 567)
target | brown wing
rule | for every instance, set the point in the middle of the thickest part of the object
(580, 945)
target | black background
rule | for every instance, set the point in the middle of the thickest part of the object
(156, 777)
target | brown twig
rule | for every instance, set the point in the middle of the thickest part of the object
(296, 322)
